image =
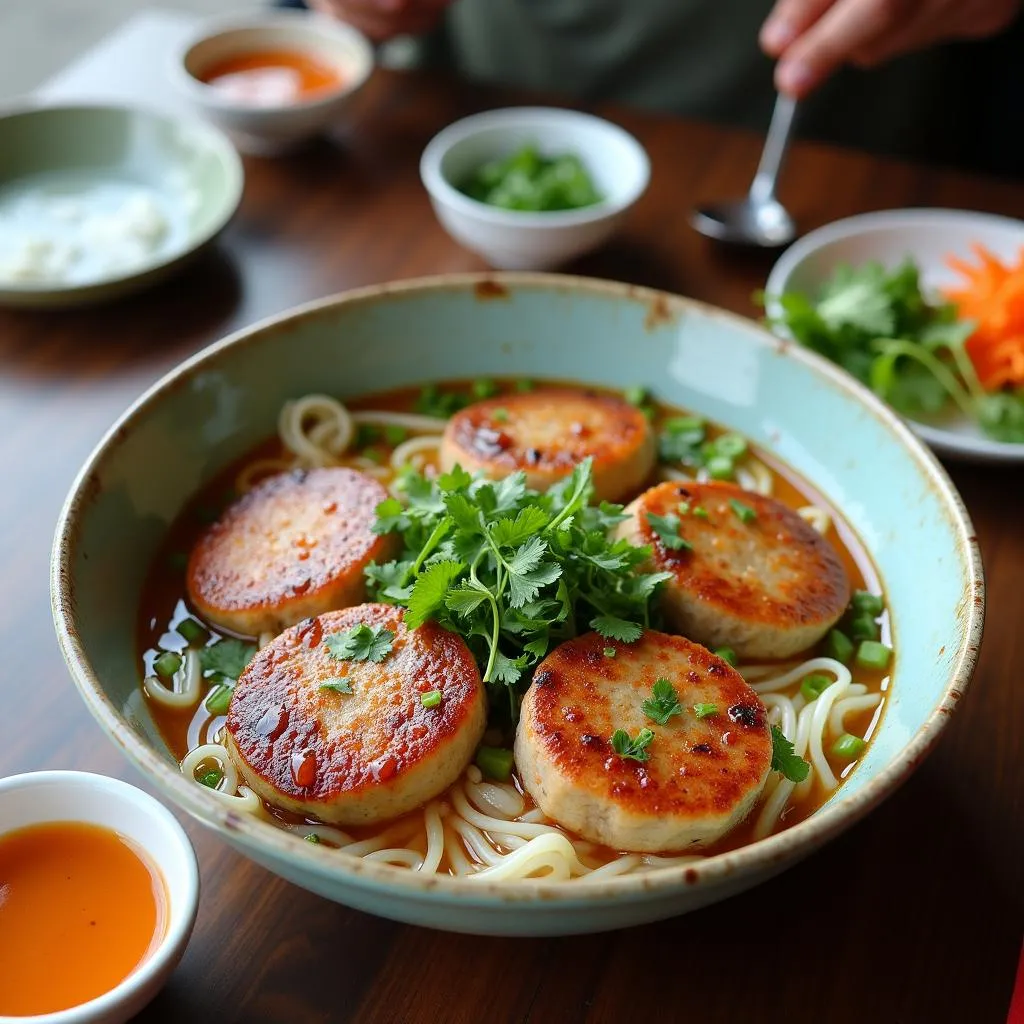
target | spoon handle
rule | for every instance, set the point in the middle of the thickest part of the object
(763, 186)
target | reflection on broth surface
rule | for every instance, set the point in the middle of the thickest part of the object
(825, 700)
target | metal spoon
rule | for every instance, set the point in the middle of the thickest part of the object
(759, 219)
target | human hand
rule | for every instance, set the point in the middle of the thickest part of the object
(813, 38)
(382, 19)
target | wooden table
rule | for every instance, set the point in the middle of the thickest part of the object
(929, 928)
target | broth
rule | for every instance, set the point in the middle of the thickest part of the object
(272, 77)
(165, 606)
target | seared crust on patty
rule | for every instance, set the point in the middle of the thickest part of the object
(363, 757)
(702, 775)
(767, 588)
(294, 546)
(547, 433)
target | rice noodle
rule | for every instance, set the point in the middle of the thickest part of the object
(410, 453)
(316, 429)
(187, 696)
(753, 475)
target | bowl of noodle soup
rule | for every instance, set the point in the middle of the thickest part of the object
(372, 382)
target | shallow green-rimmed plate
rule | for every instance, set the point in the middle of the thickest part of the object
(220, 403)
(97, 201)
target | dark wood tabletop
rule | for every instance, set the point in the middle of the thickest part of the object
(915, 915)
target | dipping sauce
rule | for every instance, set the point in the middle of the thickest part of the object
(270, 78)
(80, 909)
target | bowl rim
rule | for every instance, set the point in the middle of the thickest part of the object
(319, 25)
(779, 849)
(213, 139)
(863, 224)
(443, 191)
(187, 891)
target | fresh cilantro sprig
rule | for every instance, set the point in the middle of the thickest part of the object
(512, 570)
(632, 749)
(663, 704)
(222, 663)
(360, 643)
(785, 759)
(666, 528)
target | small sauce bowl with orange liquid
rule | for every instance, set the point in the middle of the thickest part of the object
(101, 874)
(273, 80)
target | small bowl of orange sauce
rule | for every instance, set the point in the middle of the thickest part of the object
(100, 876)
(274, 80)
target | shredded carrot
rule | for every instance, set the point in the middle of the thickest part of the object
(993, 297)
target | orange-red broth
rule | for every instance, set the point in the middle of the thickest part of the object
(164, 604)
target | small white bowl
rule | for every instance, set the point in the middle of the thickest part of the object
(928, 237)
(521, 240)
(40, 797)
(263, 129)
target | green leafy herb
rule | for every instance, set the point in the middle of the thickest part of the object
(610, 652)
(632, 749)
(879, 325)
(226, 658)
(528, 180)
(727, 654)
(637, 395)
(484, 387)
(667, 529)
(513, 571)
(432, 401)
(313, 838)
(394, 434)
(663, 704)
(744, 513)
(337, 685)
(785, 759)
(684, 439)
(705, 710)
(361, 643)
(431, 699)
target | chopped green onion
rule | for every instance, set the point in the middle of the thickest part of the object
(500, 415)
(839, 646)
(494, 762)
(732, 446)
(211, 779)
(727, 654)
(814, 686)
(872, 654)
(522, 386)
(700, 512)
(848, 747)
(637, 395)
(720, 467)
(866, 603)
(192, 631)
(484, 388)
(312, 838)
(610, 652)
(705, 710)
(395, 434)
(744, 513)
(167, 663)
(864, 627)
(219, 700)
(431, 699)
(684, 508)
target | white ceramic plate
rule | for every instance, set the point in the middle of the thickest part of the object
(928, 237)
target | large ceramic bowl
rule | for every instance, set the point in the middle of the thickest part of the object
(224, 400)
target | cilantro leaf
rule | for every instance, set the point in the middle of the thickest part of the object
(632, 749)
(337, 684)
(360, 643)
(667, 529)
(612, 628)
(508, 532)
(785, 759)
(663, 704)
(226, 658)
(430, 590)
(390, 516)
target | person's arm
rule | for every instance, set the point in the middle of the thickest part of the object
(383, 19)
(813, 38)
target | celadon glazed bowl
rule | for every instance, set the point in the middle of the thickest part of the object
(217, 405)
